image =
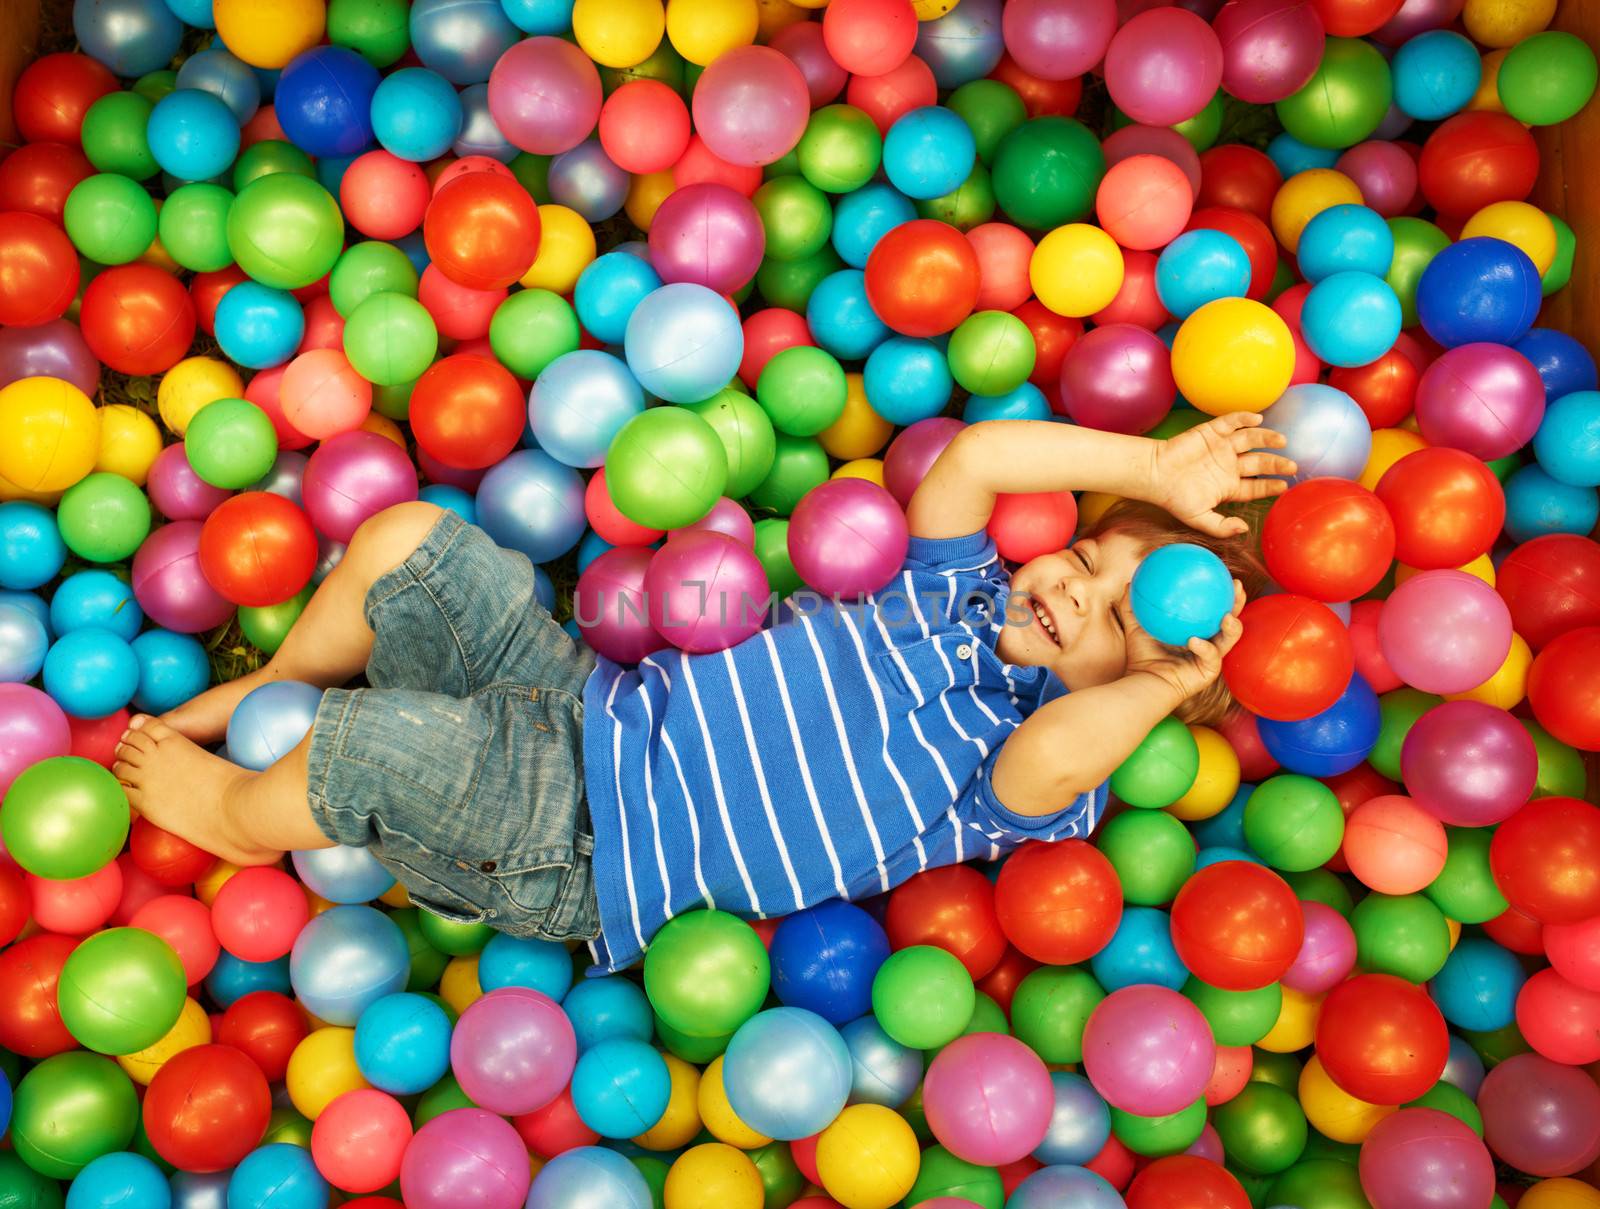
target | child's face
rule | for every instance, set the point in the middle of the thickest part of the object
(1083, 594)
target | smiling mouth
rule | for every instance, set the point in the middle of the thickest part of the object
(1042, 615)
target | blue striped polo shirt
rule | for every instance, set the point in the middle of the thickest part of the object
(832, 755)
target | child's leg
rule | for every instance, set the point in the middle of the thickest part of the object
(331, 641)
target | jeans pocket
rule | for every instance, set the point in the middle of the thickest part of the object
(436, 746)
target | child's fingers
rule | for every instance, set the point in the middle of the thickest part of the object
(1260, 438)
(1218, 525)
(1256, 462)
(1233, 421)
(1238, 597)
(1259, 489)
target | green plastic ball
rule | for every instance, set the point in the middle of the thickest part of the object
(1321, 886)
(1416, 242)
(1280, 1070)
(1465, 889)
(1178, 420)
(1345, 100)
(1495, 1046)
(1262, 1129)
(795, 215)
(798, 465)
(427, 962)
(840, 150)
(967, 205)
(943, 1175)
(154, 85)
(1203, 128)
(746, 435)
(1161, 769)
(21, 1187)
(666, 468)
(444, 1096)
(780, 1174)
(230, 443)
(1156, 1136)
(266, 626)
(286, 1125)
(698, 1050)
(787, 164)
(1398, 712)
(802, 390)
(390, 339)
(104, 517)
(1050, 1009)
(991, 111)
(706, 973)
(1236, 1017)
(789, 283)
(69, 1110)
(665, 65)
(368, 268)
(987, 1017)
(377, 30)
(1046, 172)
(1447, 1097)
(121, 991)
(458, 938)
(1152, 853)
(923, 997)
(268, 157)
(285, 231)
(1293, 822)
(532, 328)
(990, 353)
(110, 218)
(193, 225)
(1319, 1184)
(1547, 78)
(64, 817)
(394, 399)
(533, 174)
(772, 551)
(1402, 934)
(1561, 770)
(1560, 270)
(113, 135)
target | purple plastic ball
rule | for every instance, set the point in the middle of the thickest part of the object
(1444, 631)
(32, 728)
(707, 234)
(1327, 954)
(1421, 1156)
(1058, 39)
(465, 1159)
(1118, 378)
(847, 537)
(55, 349)
(513, 1050)
(1163, 66)
(912, 454)
(1469, 763)
(706, 591)
(1417, 17)
(609, 605)
(1270, 48)
(176, 491)
(353, 476)
(1484, 398)
(1386, 174)
(726, 516)
(169, 585)
(545, 95)
(586, 180)
(751, 105)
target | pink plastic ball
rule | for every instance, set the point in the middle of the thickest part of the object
(709, 235)
(1004, 253)
(1163, 66)
(1386, 174)
(513, 1050)
(32, 728)
(889, 97)
(465, 1159)
(1058, 39)
(1417, 17)
(1559, 1018)
(1421, 1156)
(75, 906)
(1118, 379)
(988, 1098)
(609, 605)
(751, 105)
(1270, 48)
(1469, 763)
(1327, 954)
(168, 583)
(324, 326)
(176, 491)
(726, 516)
(870, 37)
(803, 43)
(706, 591)
(436, 471)
(847, 537)
(1444, 631)
(1484, 398)
(323, 395)
(138, 888)
(1144, 202)
(1574, 951)
(544, 95)
(1540, 1116)
(912, 454)
(352, 477)
(1154, 140)
(1148, 1050)
(265, 390)
(258, 913)
(185, 924)
(359, 1140)
(1208, 1145)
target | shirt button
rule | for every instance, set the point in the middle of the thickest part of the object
(964, 651)
(487, 866)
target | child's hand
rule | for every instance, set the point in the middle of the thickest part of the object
(1188, 671)
(1213, 463)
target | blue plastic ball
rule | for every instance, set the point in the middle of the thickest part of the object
(95, 599)
(1563, 363)
(324, 101)
(1026, 402)
(31, 549)
(270, 720)
(226, 77)
(608, 289)
(402, 1043)
(479, 133)
(331, 170)
(1181, 591)
(119, 1180)
(621, 1087)
(1225, 829)
(258, 326)
(589, 1177)
(841, 319)
(608, 1009)
(1198, 267)
(1463, 1068)
(928, 152)
(461, 39)
(23, 644)
(825, 957)
(416, 114)
(787, 1073)
(1141, 951)
(194, 12)
(451, 498)
(231, 979)
(1348, 238)
(1435, 74)
(1079, 1125)
(1218, 853)
(544, 589)
(965, 43)
(1334, 741)
(586, 180)
(192, 1190)
(193, 134)
(539, 16)
(1568, 441)
(532, 503)
(30, 603)
(579, 403)
(683, 342)
(1477, 987)
(345, 960)
(1052, 1187)
(862, 217)
(1293, 157)
(91, 673)
(279, 1176)
(1537, 504)
(1328, 433)
(1479, 290)
(1351, 318)
(907, 380)
(513, 961)
(173, 668)
(131, 37)
(590, 548)
(342, 874)
(882, 1070)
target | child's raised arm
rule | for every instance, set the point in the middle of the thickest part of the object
(1189, 475)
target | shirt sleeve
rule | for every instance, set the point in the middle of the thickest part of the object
(981, 809)
(973, 554)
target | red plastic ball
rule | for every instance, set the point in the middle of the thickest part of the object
(468, 412)
(459, 312)
(1004, 253)
(1328, 539)
(358, 1141)
(265, 1026)
(1137, 301)
(207, 1108)
(952, 909)
(39, 267)
(137, 319)
(1058, 903)
(869, 37)
(384, 196)
(1053, 338)
(14, 903)
(1028, 524)
(258, 549)
(1371, 663)
(30, 1021)
(1184, 1181)
(1114, 1164)
(766, 334)
(1232, 174)
(1475, 159)
(1546, 859)
(1354, 18)
(701, 165)
(1237, 925)
(138, 888)
(888, 97)
(1384, 390)
(258, 912)
(53, 93)
(1000, 983)
(644, 126)
(1447, 507)
(78, 905)
(922, 278)
(1144, 201)
(1252, 234)
(482, 231)
(1040, 97)
(36, 178)
(1381, 1039)
(1293, 660)
(1551, 585)
(608, 522)
(1564, 688)
(554, 1129)
(1242, 730)
(1560, 1019)
(1287, 306)
(206, 291)
(97, 738)
(185, 924)
(1513, 930)
(170, 859)
(1574, 951)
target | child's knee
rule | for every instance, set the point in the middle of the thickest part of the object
(386, 540)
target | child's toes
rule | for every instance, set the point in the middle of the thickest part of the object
(135, 744)
(156, 731)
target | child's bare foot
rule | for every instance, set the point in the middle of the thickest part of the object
(183, 789)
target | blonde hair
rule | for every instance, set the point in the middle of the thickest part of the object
(1153, 527)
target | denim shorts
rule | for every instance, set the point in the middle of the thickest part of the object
(461, 767)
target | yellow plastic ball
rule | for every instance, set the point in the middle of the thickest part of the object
(381, 424)
(1560, 1194)
(1216, 782)
(321, 1069)
(932, 10)
(1076, 270)
(1453, 927)
(49, 434)
(859, 432)
(129, 442)
(1092, 505)
(870, 469)
(701, 30)
(868, 1157)
(1333, 1111)
(645, 195)
(269, 35)
(10, 491)
(1389, 445)
(395, 896)
(566, 246)
(192, 1028)
(1296, 1025)
(717, 1114)
(206, 888)
(1233, 354)
(458, 985)
(1304, 196)
(316, 902)
(1487, 98)
(1481, 568)
(190, 385)
(1509, 684)
(1528, 227)
(713, 1176)
(1504, 23)
(680, 1124)
(157, 256)
(618, 33)
(775, 15)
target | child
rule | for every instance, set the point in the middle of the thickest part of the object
(503, 778)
